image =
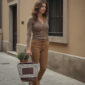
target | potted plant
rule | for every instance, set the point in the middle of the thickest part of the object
(21, 56)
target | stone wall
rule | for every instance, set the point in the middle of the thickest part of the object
(69, 65)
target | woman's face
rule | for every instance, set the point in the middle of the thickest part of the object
(42, 8)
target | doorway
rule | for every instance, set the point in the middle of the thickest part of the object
(14, 27)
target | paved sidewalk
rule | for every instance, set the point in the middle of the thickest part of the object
(9, 74)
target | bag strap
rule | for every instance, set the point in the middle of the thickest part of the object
(31, 57)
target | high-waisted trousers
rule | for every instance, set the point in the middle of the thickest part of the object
(39, 51)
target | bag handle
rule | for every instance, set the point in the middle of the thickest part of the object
(31, 57)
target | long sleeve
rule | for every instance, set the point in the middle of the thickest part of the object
(47, 38)
(47, 33)
(29, 29)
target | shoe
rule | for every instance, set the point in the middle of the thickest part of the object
(38, 82)
(30, 83)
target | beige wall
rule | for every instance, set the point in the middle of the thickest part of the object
(5, 20)
(76, 30)
(25, 13)
(76, 26)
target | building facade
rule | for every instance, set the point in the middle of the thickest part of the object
(66, 33)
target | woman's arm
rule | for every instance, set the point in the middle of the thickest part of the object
(47, 33)
(29, 29)
(47, 37)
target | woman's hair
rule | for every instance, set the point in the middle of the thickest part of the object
(37, 6)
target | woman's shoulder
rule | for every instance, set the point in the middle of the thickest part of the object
(46, 18)
(30, 19)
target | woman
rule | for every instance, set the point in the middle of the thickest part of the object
(38, 25)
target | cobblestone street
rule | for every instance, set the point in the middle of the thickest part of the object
(9, 74)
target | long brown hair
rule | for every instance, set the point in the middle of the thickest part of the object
(37, 5)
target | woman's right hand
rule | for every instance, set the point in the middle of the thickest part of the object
(28, 51)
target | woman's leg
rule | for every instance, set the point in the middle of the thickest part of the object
(35, 48)
(43, 59)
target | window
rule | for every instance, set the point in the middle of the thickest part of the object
(58, 23)
(55, 17)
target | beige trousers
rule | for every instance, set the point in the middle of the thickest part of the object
(40, 55)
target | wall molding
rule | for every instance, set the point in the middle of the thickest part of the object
(10, 23)
(9, 0)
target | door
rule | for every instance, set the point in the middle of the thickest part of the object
(14, 27)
